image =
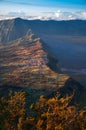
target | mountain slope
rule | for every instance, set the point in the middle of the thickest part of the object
(25, 61)
(68, 28)
(12, 29)
(24, 57)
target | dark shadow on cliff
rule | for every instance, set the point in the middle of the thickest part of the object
(72, 87)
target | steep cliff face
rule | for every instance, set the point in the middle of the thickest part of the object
(12, 29)
(25, 61)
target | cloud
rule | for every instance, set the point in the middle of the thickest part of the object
(62, 15)
(55, 15)
(18, 14)
(83, 15)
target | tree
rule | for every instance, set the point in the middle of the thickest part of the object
(56, 114)
(50, 114)
(11, 109)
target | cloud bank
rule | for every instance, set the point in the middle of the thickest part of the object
(56, 15)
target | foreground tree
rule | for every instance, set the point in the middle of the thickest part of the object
(11, 109)
(49, 114)
(56, 114)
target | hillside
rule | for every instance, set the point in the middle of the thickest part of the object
(72, 29)
(27, 63)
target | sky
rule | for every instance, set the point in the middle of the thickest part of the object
(43, 9)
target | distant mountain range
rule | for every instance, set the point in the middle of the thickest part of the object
(26, 61)
(61, 28)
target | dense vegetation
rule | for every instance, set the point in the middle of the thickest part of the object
(49, 114)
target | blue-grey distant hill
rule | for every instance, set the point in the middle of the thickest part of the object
(12, 29)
